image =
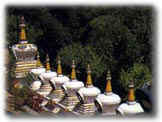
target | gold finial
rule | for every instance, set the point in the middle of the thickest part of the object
(39, 64)
(47, 63)
(73, 73)
(59, 69)
(131, 96)
(89, 79)
(22, 32)
(108, 86)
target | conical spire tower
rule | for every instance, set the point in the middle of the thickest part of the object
(59, 68)
(73, 73)
(48, 68)
(131, 96)
(39, 64)
(22, 30)
(108, 86)
(89, 78)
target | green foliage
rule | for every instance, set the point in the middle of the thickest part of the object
(21, 94)
(29, 78)
(10, 69)
(82, 56)
(33, 33)
(139, 73)
(12, 35)
(112, 38)
(12, 30)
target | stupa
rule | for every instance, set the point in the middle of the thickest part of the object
(70, 89)
(131, 107)
(87, 97)
(39, 67)
(24, 52)
(46, 87)
(58, 94)
(35, 73)
(109, 101)
(46, 77)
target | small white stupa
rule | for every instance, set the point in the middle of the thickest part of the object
(70, 89)
(87, 97)
(48, 75)
(46, 87)
(131, 107)
(39, 67)
(35, 74)
(57, 94)
(109, 101)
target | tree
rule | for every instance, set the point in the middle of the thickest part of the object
(139, 73)
(112, 38)
(82, 56)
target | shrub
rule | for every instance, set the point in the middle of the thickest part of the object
(139, 73)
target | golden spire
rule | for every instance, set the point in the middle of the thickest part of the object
(131, 96)
(22, 32)
(73, 73)
(59, 69)
(47, 64)
(39, 64)
(108, 86)
(89, 79)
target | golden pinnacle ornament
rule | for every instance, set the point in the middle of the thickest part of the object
(59, 68)
(48, 68)
(39, 64)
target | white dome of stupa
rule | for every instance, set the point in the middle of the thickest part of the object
(60, 79)
(108, 98)
(130, 108)
(38, 71)
(89, 91)
(35, 85)
(48, 75)
(73, 84)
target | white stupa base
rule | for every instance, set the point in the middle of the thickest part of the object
(107, 103)
(87, 109)
(56, 95)
(130, 108)
(109, 114)
(45, 89)
(35, 85)
(70, 102)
